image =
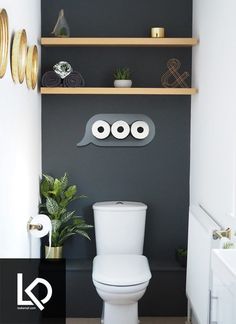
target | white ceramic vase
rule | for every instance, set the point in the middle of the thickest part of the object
(122, 83)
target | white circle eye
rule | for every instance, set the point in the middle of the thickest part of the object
(120, 129)
(101, 129)
(140, 129)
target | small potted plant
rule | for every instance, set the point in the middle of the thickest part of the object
(56, 195)
(181, 257)
(122, 78)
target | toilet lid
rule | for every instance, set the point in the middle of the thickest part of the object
(121, 270)
(119, 206)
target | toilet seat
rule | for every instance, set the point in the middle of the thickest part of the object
(120, 290)
(121, 270)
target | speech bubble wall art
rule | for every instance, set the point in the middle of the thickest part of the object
(118, 130)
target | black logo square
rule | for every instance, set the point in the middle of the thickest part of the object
(32, 291)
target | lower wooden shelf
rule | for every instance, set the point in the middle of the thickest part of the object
(118, 91)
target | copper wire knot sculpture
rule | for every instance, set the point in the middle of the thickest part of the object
(173, 66)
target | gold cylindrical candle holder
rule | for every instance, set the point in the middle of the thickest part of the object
(158, 32)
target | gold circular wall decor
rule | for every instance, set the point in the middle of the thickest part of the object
(32, 67)
(18, 56)
(4, 41)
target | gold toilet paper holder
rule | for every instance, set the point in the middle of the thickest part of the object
(217, 234)
(30, 226)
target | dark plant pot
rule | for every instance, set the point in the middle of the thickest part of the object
(182, 260)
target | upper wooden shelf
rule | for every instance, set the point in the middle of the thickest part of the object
(118, 41)
(118, 91)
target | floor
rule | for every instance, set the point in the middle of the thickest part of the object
(144, 320)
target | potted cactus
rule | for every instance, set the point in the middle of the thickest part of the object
(122, 78)
(56, 196)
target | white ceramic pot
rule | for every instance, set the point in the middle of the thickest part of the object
(122, 83)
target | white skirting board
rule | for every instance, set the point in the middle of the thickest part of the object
(200, 244)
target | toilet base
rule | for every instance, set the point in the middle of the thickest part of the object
(117, 314)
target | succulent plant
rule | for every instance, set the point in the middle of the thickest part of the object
(122, 74)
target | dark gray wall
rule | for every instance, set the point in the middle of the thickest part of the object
(119, 18)
(157, 174)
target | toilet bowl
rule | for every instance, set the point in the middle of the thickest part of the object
(120, 280)
(121, 273)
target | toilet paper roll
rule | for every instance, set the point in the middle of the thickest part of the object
(43, 220)
(140, 129)
(101, 129)
(120, 129)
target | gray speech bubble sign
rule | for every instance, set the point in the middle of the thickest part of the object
(112, 141)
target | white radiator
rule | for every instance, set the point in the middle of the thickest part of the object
(200, 244)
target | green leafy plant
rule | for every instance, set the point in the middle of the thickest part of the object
(228, 245)
(122, 74)
(56, 195)
(181, 252)
(181, 256)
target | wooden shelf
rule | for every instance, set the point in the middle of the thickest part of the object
(118, 91)
(118, 41)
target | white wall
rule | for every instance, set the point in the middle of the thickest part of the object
(20, 143)
(213, 134)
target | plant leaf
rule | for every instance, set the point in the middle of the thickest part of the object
(44, 188)
(57, 187)
(62, 210)
(68, 234)
(70, 192)
(55, 239)
(49, 179)
(79, 222)
(64, 182)
(63, 238)
(42, 205)
(52, 206)
(81, 197)
(83, 233)
(67, 216)
(85, 226)
(56, 223)
(122, 74)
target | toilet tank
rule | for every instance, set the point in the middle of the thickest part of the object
(119, 227)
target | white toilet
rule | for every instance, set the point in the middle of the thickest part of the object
(121, 273)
